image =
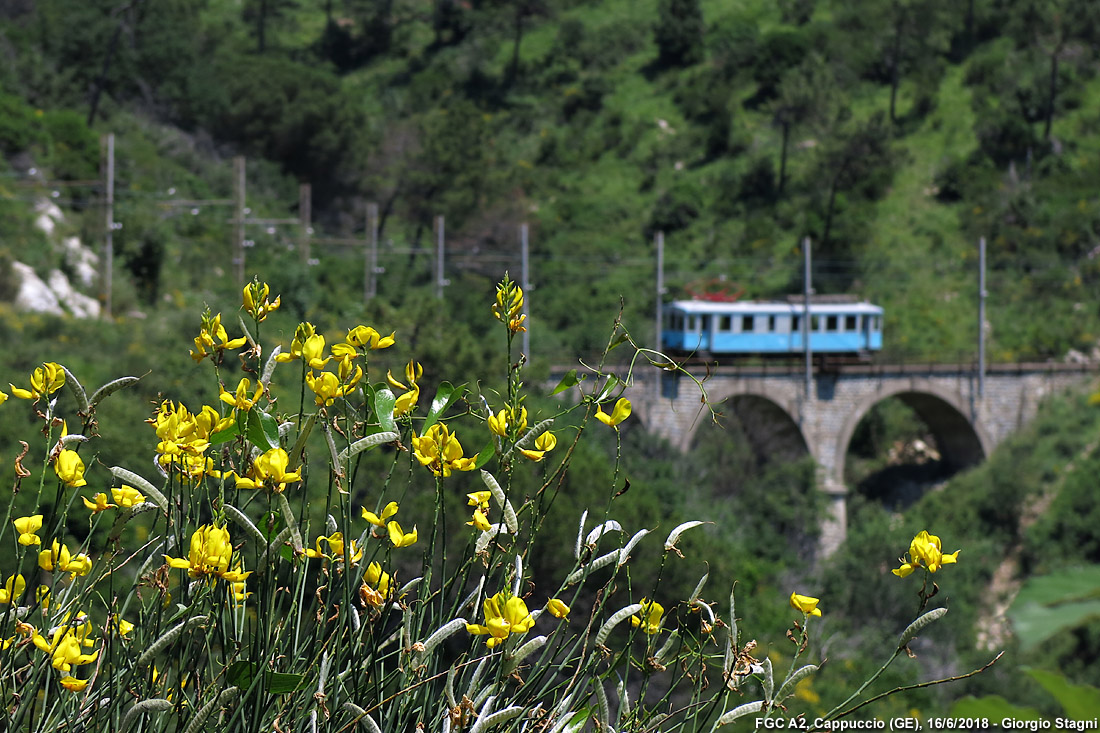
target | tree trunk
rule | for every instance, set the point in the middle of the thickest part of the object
(517, 38)
(895, 67)
(101, 82)
(261, 21)
(1053, 91)
(783, 159)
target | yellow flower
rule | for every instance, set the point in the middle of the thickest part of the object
(240, 399)
(270, 469)
(3, 396)
(480, 499)
(256, 303)
(65, 647)
(925, 550)
(509, 303)
(26, 527)
(365, 337)
(805, 604)
(439, 450)
(543, 445)
(73, 684)
(500, 423)
(123, 626)
(328, 387)
(649, 618)
(210, 554)
(504, 614)
(336, 546)
(185, 437)
(480, 521)
(213, 338)
(376, 586)
(127, 496)
(98, 504)
(400, 538)
(13, 589)
(620, 413)
(42, 594)
(557, 608)
(69, 468)
(406, 402)
(45, 380)
(301, 334)
(59, 558)
(380, 520)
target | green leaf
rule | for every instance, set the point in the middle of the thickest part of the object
(384, 401)
(485, 454)
(1052, 603)
(279, 683)
(241, 674)
(993, 707)
(569, 380)
(262, 430)
(445, 396)
(610, 386)
(1081, 702)
(622, 338)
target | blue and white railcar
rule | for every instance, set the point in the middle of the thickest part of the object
(770, 327)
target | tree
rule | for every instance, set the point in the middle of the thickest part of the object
(903, 37)
(860, 159)
(679, 33)
(805, 95)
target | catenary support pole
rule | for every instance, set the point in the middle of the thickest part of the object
(305, 215)
(371, 274)
(109, 225)
(439, 237)
(525, 279)
(238, 218)
(807, 291)
(981, 317)
(659, 241)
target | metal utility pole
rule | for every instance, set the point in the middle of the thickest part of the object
(371, 283)
(807, 291)
(305, 202)
(238, 218)
(109, 225)
(659, 239)
(525, 283)
(981, 317)
(439, 281)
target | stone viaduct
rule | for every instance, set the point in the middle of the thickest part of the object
(783, 421)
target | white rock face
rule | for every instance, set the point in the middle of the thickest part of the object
(79, 304)
(33, 294)
(56, 295)
(82, 260)
(48, 216)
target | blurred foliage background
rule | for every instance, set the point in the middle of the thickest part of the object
(894, 135)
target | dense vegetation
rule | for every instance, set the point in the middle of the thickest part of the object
(894, 135)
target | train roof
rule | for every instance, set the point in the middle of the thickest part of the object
(704, 307)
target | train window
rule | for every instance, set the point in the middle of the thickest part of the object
(815, 323)
(771, 324)
(704, 323)
(850, 323)
(725, 323)
(796, 324)
(691, 323)
(746, 324)
(831, 323)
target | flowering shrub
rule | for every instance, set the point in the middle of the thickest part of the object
(202, 597)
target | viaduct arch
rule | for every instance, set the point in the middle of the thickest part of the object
(781, 418)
